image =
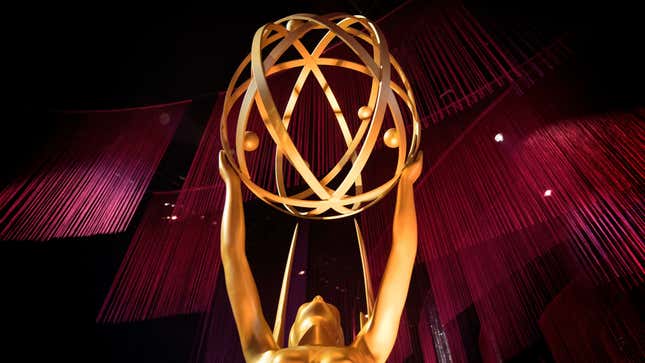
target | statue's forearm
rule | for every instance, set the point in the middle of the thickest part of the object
(233, 226)
(404, 225)
(382, 329)
(255, 336)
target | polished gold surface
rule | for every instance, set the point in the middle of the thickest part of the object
(317, 323)
(364, 113)
(280, 316)
(319, 201)
(367, 280)
(251, 141)
(391, 138)
(316, 335)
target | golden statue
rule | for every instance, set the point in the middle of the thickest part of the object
(316, 335)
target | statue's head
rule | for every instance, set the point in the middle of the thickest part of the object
(317, 323)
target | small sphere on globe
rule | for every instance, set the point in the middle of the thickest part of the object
(391, 138)
(364, 113)
(251, 141)
(293, 24)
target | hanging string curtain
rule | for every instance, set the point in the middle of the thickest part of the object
(90, 176)
(172, 262)
(588, 323)
(506, 226)
(141, 271)
(453, 60)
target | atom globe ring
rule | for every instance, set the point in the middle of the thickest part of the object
(276, 38)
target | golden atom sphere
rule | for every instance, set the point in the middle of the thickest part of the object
(364, 113)
(251, 141)
(391, 138)
(270, 42)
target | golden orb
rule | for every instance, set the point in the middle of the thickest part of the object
(293, 24)
(251, 141)
(390, 92)
(364, 113)
(391, 138)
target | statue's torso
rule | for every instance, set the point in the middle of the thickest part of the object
(316, 354)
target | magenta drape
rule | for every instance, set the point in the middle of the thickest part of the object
(454, 58)
(172, 262)
(586, 323)
(492, 237)
(91, 175)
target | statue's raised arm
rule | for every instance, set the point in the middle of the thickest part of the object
(379, 333)
(255, 335)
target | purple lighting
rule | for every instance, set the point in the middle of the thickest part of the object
(94, 184)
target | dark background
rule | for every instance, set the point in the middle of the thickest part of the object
(119, 54)
(87, 55)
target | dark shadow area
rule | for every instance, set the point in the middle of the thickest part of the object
(158, 340)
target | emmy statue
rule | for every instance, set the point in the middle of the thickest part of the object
(316, 334)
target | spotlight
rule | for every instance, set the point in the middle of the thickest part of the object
(173, 217)
(301, 272)
(499, 137)
(547, 193)
(166, 204)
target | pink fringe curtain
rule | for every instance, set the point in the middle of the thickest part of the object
(585, 323)
(454, 60)
(172, 263)
(505, 226)
(91, 175)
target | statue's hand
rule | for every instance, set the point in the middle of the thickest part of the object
(412, 171)
(226, 171)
